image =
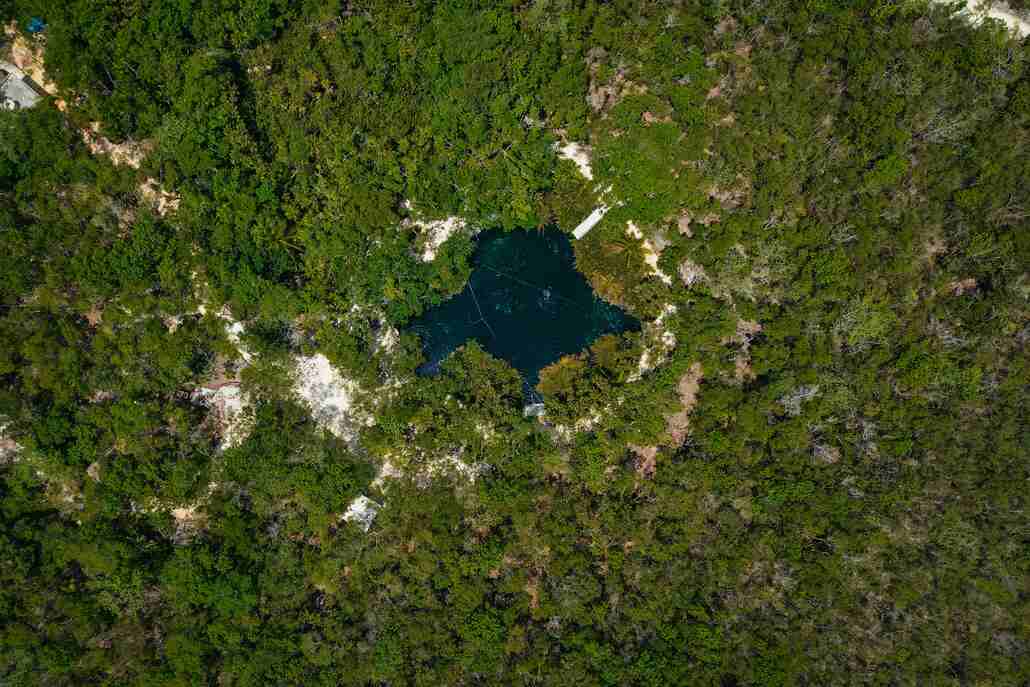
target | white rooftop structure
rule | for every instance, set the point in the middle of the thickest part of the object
(17, 89)
(590, 222)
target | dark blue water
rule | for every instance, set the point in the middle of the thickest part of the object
(525, 303)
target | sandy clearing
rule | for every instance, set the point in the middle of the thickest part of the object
(229, 404)
(363, 511)
(590, 421)
(659, 341)
(434, 233)
(580, 154)
(387, 471)
(161, 200)
(330, 396)
(130, 153)
(450, 465)
(678, 424)
(979, 10)
(234, 329)
(226, 399)
(9, 449)
(746, 331)
(424, 470)
(190, 518)
(652, 251)
(691, 273)
(387, 339)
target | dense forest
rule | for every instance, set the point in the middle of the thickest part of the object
(810, 465)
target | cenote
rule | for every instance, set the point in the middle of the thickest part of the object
(525, 303)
